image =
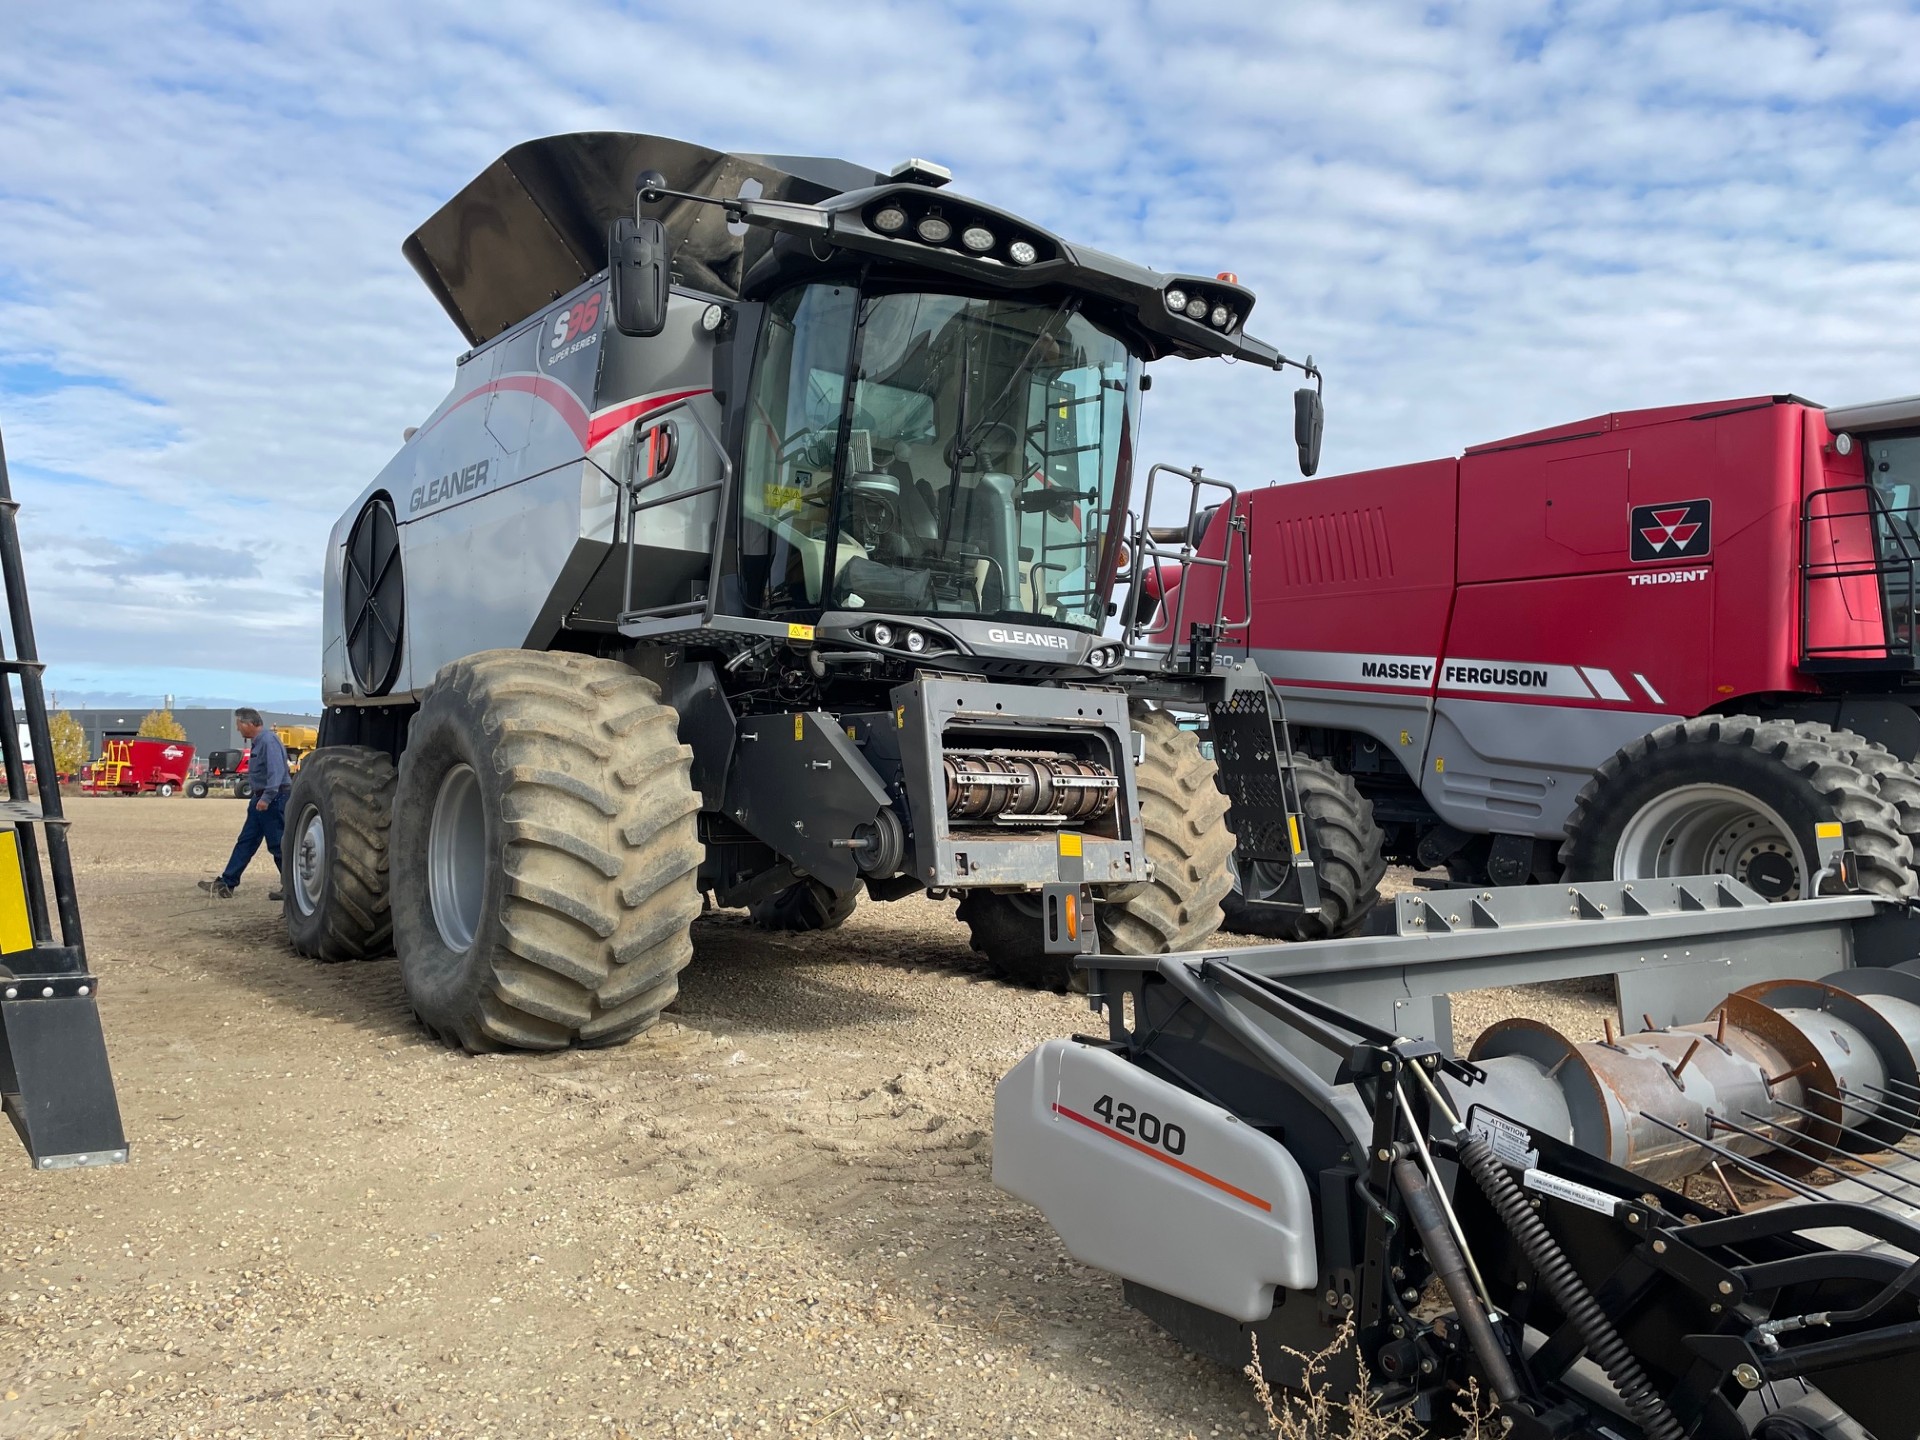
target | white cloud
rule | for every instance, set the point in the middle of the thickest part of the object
(1477, 222)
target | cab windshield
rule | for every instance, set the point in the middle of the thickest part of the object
(933, 454)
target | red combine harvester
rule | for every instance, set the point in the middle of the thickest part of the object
(1661, 642)
(138, 767)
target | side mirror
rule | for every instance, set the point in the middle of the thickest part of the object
(1309, 418)
(638, 266)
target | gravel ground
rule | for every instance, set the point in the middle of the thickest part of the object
(772, 1215)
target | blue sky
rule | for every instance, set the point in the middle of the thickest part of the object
(1477, 219)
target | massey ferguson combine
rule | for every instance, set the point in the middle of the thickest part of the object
(1656, 643)
(762, 548)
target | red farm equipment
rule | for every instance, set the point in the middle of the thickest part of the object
(138, 767)
(1654, 643)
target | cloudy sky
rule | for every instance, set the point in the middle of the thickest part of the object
(1477, 219)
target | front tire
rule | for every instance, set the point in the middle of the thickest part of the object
(196, 789)
(1183, 823)
(333, 866)
(545, 853)
(1349, 857)
(1734, 795)
(807, 905)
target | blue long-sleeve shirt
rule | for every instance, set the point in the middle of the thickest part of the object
(267, 770)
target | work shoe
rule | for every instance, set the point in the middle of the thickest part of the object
(217, 888)
(276, 893)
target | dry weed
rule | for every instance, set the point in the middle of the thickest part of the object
(1314, 1412)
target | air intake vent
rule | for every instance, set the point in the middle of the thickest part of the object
(1328, 549)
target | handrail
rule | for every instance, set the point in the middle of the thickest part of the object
(631, 506)
(1149, 547)
(1879, 568)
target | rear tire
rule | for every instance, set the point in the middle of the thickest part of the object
(333, 868)
(545, 853)
(1183, 822)
(1349, 856)
(809, 905)
(1735, 795)
(196, 789)
(163, 789)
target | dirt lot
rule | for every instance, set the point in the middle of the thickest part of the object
(770, 1216)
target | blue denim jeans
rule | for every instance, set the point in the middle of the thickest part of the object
(268, 825)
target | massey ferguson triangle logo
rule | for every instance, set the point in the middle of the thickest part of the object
(1682, 530)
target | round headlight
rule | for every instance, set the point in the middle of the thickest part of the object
(1843, 444)
(1197, 308)
(1021, 252)
(1176, 300)
(1221, 315)
(916, 642)
(891, 219)
(933, 230)
(977, 238)
(711, 317)
(881, 633)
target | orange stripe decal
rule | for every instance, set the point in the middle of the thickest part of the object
(1166, 1159)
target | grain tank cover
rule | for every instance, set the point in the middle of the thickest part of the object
(533, 224)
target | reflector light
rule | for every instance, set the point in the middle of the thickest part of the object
(1071, 911)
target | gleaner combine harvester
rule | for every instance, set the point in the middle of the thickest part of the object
(1660, 642)
(771, 561)
(1277, 1142)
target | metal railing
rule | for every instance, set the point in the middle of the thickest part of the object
(1188, 647)
(634, 503)
(1898, 646)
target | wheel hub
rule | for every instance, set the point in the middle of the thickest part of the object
(1714, 830)
(309, 861)
(457, 858)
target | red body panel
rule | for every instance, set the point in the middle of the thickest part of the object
(1520, 553)
(130, 767)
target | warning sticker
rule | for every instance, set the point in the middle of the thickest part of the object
(1574, 1193)
(778, 497)
(1507, 1140)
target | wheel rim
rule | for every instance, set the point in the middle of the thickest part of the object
(309, 860)
(457, 857)
(1714, 830)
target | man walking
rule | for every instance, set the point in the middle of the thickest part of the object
(267, 815)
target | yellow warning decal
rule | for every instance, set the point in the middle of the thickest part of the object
(1826, 830)
(900, 717)
(16, 932)
(1069, 844)
(1439, 764)
(799, 727)
(800, 632)
(1293, 833)
(782, 497)
(1405, 738)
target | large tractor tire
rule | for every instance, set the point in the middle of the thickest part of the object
(1183, 817)
(545, 853)
(1739, 796)
(1894, 780)
(808, 905)
(1349, 857)
(333, 863)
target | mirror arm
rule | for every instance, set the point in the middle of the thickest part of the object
(772, 214)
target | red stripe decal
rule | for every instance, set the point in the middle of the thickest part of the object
(541, 388)
(608, 421)
(1166, 1159)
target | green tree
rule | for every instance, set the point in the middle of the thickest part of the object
(160, 725)
(69, 743)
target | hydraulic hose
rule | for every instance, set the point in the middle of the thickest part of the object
(1569, 1291)
(1450, 1264)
